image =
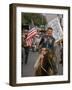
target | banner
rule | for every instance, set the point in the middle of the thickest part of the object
(57, 30)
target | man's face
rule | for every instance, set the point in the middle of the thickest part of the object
(49, 32)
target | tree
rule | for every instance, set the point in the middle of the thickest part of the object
(33, 18)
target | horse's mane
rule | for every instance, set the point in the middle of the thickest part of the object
(49, 55)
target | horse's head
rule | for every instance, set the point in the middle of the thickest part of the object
(47, 53)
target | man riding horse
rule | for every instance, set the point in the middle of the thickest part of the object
(46, 61)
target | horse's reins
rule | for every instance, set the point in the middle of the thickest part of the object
(45, 69)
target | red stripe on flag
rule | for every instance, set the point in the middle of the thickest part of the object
(31, 31)
(30, 36)
(29, 42)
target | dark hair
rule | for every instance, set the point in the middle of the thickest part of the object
(49, 28)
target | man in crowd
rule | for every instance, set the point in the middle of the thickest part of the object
(48, 41)
(26, 48)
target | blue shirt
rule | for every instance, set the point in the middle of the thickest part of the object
(47, 42)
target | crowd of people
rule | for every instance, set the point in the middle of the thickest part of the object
(44, 44)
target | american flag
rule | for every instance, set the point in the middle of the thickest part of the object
(30, 36)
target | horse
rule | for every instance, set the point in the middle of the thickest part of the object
(46, 63)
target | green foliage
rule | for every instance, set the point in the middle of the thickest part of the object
(35, 18)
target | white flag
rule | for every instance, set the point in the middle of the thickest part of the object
(57, 30)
